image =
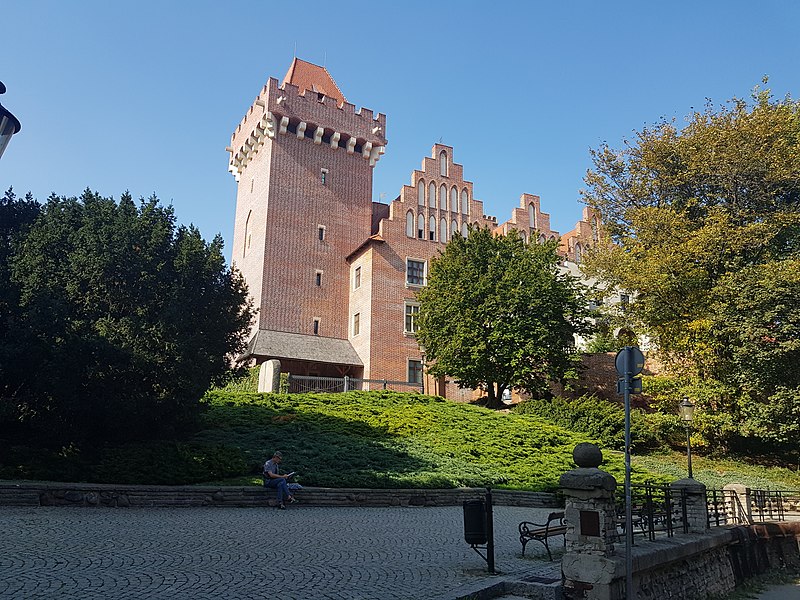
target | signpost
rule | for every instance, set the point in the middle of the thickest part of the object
(629, 363)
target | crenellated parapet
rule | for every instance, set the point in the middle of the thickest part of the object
(314, 117)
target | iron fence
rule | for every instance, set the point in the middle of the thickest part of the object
(750, 506)
(299, 384)
(655, 509)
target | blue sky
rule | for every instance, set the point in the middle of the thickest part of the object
(143, 96)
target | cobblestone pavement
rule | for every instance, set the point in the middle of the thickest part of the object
(305, 552)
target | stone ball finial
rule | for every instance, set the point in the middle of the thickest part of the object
(587, 455)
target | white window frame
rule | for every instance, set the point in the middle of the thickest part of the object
(414, 318)
(357, 277)
(424, 272)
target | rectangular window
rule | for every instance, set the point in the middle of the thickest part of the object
(412, 319)
(415, 371)
(316, 326)
(318, 278)
(324, 176)
(624, 299)
(356, 323)
(321, 232)
(357, 278)
(415, 272)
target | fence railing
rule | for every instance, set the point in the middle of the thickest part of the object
(745, 505)
(655, 509)
(299, 384)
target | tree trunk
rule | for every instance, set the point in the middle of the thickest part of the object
(493, 400)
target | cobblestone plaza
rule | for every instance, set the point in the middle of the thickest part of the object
(305, 552)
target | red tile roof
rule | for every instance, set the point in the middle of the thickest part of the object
(311, 77)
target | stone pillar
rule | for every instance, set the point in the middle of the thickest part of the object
(269, 377)
(696, 505)
(588, 568)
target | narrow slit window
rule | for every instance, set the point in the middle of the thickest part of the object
(323, 174)
(318, 278)
(316, 326)
(321, 233)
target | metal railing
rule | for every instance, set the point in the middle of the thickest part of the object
(656, 509)
(299, 384)
(729, 506)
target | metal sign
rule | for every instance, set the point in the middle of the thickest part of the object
(629, 360)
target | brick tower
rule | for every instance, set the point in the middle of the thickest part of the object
(303, 159)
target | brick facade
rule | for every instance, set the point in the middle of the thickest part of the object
(320, 258)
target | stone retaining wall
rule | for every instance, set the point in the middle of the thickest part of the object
(87, 494)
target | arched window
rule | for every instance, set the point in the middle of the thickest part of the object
(464, 230)
(578, 253)
(432, 229)
(421, 226)
(453, 228)
(443, 163)
(410, 223)
(443, 231)
(453, 199)
(443, 198)
(432, 195)
(595, 229)
(421, 193)
(523, 236)
(464, 202)
(246, 242)
(542, 239)
(532, 216)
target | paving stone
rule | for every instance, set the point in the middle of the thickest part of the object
(306, 552)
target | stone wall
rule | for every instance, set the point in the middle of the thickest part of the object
(83, 494)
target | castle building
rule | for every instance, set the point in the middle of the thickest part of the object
(333, 274)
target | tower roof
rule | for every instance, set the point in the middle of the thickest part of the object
(311, 77)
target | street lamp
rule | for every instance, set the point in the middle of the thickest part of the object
(686, 408)
(9, 124)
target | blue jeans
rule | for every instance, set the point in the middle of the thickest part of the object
(280, 485)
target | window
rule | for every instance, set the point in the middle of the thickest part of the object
(421, 226)
(443, 198)
(595, 229)
(321, 232)
(531, 216)
(443, 163)
(324, 176)
(453, 200)
(432, 229)
(410, 224)
(356, 323)
(415, 272)
(316, 326)
(247, 234)
(421, 193)
(464, 230)
(415, 371)
(318, 278)
(443, 231)
(432, 195)
(624, 300)
(464, 201)
(357, 278)
(578, 253)
(412, 318)
(453, 228)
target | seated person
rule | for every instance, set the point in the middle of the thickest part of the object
(272, 479)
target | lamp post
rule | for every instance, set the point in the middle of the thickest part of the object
(9, 124)
(686, 408)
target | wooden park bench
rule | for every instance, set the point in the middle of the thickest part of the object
(541, 532)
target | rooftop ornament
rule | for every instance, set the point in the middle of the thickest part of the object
(9, 124)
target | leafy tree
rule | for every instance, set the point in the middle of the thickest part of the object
(497, 313)
(126, 318)
(688, 207)
(706, 225)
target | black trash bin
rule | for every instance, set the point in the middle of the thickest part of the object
(475, 522)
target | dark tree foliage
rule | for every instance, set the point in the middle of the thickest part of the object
(497, 314)
(123, 320)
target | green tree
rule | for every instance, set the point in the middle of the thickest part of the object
(497, 313)
(126, 318)
(705, 222)
(687, 207)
